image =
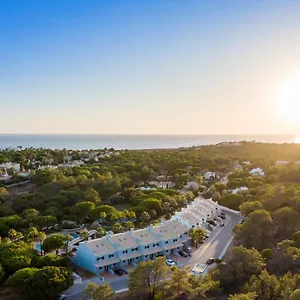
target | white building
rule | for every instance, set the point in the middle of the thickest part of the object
(281, 162)
(257, 172)
(11, 165)
(239, 189)
(209, 175)
(197, 213)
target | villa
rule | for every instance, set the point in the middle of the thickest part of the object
(257, 172)
(120, 250)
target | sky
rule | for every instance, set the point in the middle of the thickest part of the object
(149, 67)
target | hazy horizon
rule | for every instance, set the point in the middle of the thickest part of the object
(150, 67)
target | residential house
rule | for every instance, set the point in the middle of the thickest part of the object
(257, 172)
(239, 189)
(209, 175)
(11, 165)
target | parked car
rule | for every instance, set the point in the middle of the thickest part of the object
(61, 297)
(222, 225)
(182, 253)
(124, 271)
(210, 227)
(118, 272)
(170, 262)
(241, 222)
(211, 222)
(207, 236)
(187, 249)
(210, 261)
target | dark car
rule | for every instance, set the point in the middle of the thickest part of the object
(210, 261)
(182, 253)
(212, 222)
(222, 225)
(187, 249)
(118, 272)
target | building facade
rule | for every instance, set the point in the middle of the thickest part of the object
(120, 250)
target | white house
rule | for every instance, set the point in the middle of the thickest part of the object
(209, 175)
(192, 185)
(281, 162)
(11, 165)
(197, 213)
(257, 172)
(239, 189)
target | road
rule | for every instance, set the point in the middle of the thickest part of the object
(215, 246)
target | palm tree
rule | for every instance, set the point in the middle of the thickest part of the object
(84, 234)
(100, 232)
(69, 238)
(32, 233)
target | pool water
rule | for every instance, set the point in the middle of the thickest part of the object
(74, 235)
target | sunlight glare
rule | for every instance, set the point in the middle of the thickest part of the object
(289, 100)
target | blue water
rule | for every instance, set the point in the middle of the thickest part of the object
(81, 142)
(37, 247)
(74, 235)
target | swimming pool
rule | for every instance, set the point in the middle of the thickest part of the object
(74, 235)
(37, 247)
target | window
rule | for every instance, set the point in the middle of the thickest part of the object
(193, 226)
(154, 245)
(114, 264)
(100, 268)
(157, 244)
(175, 240)
(125, 251)
(146, 247)
(124, 261)
(167, 242)
(197, 224)
(181, 236)
(110, 255)
(146, 255)
(134, 249)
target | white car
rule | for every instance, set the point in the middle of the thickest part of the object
(170, 262)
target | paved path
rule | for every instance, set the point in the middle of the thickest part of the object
(215, 246)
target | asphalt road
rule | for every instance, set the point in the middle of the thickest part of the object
(215, 246)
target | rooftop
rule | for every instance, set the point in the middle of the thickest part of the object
(123, 240)
(100, 246)
(145, 236)
(170, 229)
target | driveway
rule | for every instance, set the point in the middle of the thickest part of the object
(215, 246)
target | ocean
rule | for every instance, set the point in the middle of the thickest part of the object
(99, 141)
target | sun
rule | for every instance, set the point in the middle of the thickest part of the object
(289, 100)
